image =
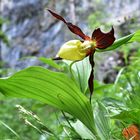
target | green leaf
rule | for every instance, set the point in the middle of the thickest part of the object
(129, 116)
(8, 127)
(82, 130)
(136, 37)
(53, 88)
(81, 72)
(99, 88)
(50, 62)
(102, 121)
(2, 97)
(4, 38)
(127, 39)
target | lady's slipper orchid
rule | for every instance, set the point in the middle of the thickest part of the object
(76, 50)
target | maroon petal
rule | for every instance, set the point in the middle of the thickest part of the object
(91, 77)
(73, 28)
(103, 40)
(57, 16)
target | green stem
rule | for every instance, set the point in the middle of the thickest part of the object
(71, 71)
(71, 68)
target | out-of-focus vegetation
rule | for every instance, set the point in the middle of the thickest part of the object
(115, 105)
(3, 36)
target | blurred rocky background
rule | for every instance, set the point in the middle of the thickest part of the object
(33, 32)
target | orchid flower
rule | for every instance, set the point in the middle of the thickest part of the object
(76, 50)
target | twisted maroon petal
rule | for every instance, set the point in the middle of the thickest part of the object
(73, 28)
(103, 40)
(57, 16)
(91, 77)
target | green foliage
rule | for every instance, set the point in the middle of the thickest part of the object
(53, 88)
(5, 125)
(80, 72)
(50, 62)
(136, 37)
(132, 116)
(3, 36)
(14, 118)
(98, 17)
(123, 97)
(102, 121)
(82, 130)
(92, 19)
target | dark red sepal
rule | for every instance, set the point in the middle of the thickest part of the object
(73, 28)
(103, 40)
(57, 16)
(91, 77)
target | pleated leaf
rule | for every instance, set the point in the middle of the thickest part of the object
(82, 130)
(130, 116)
(81, 72)
(50, 62)
(102, 121)
(53, 88)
